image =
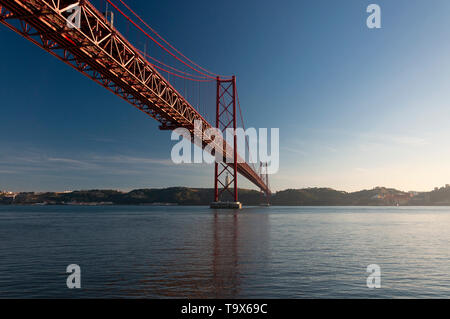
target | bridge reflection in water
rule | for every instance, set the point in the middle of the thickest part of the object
(223, 257)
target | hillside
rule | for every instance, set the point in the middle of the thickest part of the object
(379, 196)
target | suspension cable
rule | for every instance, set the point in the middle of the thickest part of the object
(146, 55)
(180, 76)
(243, 126)
(165, 41)
(159, 44)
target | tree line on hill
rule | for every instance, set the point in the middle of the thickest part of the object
(379, 196)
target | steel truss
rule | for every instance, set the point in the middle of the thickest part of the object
(226, 119)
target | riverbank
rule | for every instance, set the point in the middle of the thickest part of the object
(379, 196)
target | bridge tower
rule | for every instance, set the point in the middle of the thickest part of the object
(226, 174)
(265, 177)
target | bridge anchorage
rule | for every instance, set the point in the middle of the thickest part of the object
(92, 45)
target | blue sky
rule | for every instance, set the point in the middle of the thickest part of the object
(356, 108)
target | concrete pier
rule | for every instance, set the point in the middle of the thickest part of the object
(226, 205)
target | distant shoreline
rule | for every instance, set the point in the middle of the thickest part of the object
(184, 196)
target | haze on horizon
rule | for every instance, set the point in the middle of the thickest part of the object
(356, 108)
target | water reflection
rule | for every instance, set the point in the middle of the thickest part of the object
(212, 259)
(239, 239)
(225, 260)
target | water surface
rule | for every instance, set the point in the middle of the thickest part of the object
(277, 252)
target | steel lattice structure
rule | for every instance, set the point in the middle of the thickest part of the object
(225, 119)
(100, 52)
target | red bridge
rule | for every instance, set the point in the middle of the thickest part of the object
(78, 34)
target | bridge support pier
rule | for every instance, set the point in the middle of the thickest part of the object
(226, 205)
(225, 173)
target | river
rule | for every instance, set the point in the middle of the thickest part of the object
(195, 252)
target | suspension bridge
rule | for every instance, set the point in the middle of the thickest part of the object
(146, 71)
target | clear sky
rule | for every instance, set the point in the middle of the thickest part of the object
(356, 108)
